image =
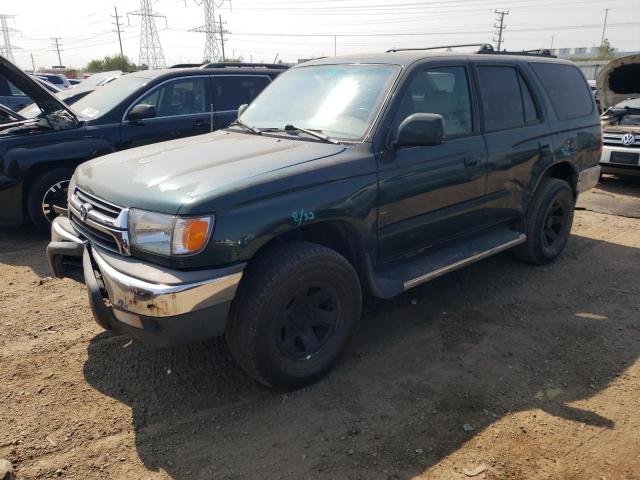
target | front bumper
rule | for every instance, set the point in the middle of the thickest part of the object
(619, 168)
(153, 304)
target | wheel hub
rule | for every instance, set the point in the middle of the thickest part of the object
(308, 322)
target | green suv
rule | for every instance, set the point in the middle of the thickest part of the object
(348, 175)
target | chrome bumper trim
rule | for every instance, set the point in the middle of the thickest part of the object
(63, 233)
(157, 300)
(588, 178)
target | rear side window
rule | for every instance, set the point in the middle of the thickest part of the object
(506, 99)
(231, 91)
(567, 89)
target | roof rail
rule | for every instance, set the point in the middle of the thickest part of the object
(540, 52)
(483, 47)
(185, 65)
(279, 66)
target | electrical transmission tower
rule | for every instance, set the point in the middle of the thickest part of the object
(212, 51)
(500, 27)
(150, 48)
(7, 47)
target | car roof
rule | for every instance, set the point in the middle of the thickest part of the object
(173, 72)
(406, 58)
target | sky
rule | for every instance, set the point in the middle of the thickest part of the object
(291, 29)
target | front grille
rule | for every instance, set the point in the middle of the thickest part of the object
(100, 222)
(615, 140)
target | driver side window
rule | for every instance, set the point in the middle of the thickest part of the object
(444, 91)
(184, 96)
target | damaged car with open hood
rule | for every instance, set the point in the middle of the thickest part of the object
(619, 91)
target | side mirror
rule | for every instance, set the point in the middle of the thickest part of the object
(242, 108)
(141, 111)
(421, 129)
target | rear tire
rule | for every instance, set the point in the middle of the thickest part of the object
(549, 221)
(295, 311)
(46, 191)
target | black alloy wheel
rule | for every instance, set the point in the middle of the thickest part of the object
(308, 320)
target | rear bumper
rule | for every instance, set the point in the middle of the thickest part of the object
(153, 304)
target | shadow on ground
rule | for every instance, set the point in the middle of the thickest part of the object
(466, 349)
(17, 247)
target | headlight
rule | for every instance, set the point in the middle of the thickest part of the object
(168, 234)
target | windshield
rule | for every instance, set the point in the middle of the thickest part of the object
(103, 99)
(340, 100)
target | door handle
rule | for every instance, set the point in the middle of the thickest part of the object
(471, 162)
(200, 123)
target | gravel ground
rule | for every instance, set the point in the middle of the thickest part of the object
(500, 370)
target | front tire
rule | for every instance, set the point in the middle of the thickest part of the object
(549, 222)
(46, 192)
(296, 309)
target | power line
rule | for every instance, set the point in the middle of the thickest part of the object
(150, 48)
(501, 26)
(118, 29)
(56, 46)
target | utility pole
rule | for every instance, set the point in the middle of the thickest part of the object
(150, 49)
(33, 64)
(335, 45)
(6, 36)
(500, 27)
(118, 29)
(604, 26)
(552, 39)
(56, 46)
(211, 29)
(222, 32)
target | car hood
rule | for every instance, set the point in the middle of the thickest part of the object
(165, 176)
(45, 100)
(619, 80)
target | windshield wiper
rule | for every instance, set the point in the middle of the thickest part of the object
(314, 133)
(240, 123)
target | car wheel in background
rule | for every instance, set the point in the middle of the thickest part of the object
(48, 192)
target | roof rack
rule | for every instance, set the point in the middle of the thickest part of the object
(485, 48)
(482, 46)
(278, 66)
(185, 65)
(539, 52)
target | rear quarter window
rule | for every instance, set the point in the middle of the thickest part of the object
(567, 89)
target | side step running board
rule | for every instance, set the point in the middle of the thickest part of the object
(464, 262)
(405, 274)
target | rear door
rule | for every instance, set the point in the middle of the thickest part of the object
(182, 110)
(431, 194)
(516, 135)
(229, 91)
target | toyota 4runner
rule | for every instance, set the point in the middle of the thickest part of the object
(347, 175)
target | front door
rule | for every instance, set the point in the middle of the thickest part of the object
(431, 194)
(182, 109)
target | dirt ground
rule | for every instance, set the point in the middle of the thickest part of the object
(529, 372)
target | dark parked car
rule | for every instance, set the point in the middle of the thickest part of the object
(38, 157)
(57, 79)
(373, 173)
(11, 96)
